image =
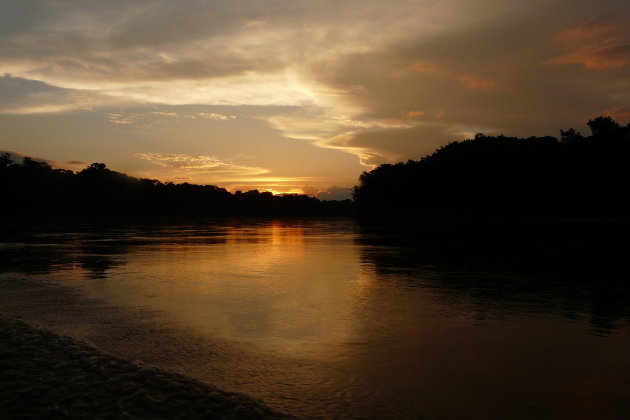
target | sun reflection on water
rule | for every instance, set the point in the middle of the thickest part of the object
(279, 284)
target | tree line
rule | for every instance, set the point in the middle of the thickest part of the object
(32, 188)
(499, 176)
(494, 176)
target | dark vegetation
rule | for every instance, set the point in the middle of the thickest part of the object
(489, 177)
(503, 177)
(33, 189)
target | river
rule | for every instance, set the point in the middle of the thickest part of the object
(330, 319)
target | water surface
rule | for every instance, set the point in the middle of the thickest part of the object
(330, 319)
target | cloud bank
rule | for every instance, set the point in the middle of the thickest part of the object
(383, 82)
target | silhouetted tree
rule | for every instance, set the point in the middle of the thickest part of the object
(5, 160)
(37, 190)
(499, 176)
(570, 135)
(604, 127)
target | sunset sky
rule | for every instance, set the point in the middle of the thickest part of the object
(298, 96)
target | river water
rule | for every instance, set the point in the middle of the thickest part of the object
(328, 319)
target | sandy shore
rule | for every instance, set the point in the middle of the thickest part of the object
(43, 375)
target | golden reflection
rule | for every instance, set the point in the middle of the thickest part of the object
(286, 285)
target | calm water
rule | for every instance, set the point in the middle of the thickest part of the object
(328, 319)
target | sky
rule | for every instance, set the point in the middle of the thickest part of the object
(293, 95)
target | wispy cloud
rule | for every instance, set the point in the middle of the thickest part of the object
(165, 114)
(595, 46)
(206, 164)
(467, 80)
(595, 57)
(122, 119)
(153, 118)
(620, 113)
(213, 116)
(37, 109)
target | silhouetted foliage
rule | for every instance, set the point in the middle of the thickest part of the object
(33, 189)
(498, 176)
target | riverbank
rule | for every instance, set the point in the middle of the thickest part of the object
(43, 375)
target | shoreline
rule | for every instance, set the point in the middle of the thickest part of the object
(44, 375)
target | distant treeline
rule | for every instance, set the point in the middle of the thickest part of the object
(575, 176)
(33, 189)
(488, 176)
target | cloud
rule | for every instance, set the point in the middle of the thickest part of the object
(22, 96)
(19, 96)
(586, 31)
(596, 46)
(483, 73)
(122, 119)
(467, 80)
(213, 116)
(135, 50)
(621, 114)
(310, 190)
(383, 83)
(414, 114)
(156, 118)
(219, 53)
(204, 164)
(596, 58)
(165, 114)
(206, 169)
(203, 115)
(383, 145)
(335, 193)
